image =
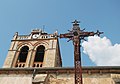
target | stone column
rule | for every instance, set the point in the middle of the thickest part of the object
(28, 58)
(15, 58)
(32, 58)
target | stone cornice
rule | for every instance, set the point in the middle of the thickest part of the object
(89, 70)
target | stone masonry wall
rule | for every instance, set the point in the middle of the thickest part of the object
(15, 79)
(87, 79)
(63, 78)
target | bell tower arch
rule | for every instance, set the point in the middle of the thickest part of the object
(38, 49)
(39, 56)
(21, 60)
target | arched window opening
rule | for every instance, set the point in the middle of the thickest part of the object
(22, 57)
(39, 56)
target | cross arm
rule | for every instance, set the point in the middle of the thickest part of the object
(86, 34)
(66, 35)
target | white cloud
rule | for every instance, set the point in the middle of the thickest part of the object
(101, 51)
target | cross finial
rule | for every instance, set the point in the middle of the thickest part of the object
(76, 22)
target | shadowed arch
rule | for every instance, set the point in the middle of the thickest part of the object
(44, 43)
(39, 56)
(22, 56)
(22, 44)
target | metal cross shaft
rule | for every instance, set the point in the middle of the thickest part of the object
(76, 35)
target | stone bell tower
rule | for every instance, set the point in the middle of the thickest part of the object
(38, 49)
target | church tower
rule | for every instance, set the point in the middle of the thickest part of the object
(38, 49)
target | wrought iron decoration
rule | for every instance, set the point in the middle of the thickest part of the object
(76, 35)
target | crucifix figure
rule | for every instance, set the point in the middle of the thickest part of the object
(76, 35)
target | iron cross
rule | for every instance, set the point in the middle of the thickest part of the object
(76, 35)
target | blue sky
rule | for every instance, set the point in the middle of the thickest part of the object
(24, 15)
